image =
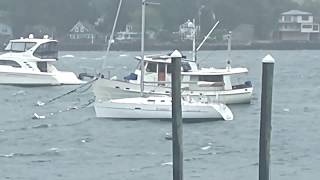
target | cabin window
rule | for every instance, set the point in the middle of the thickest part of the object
(211, 78)
(185, 66)
(151, 67)
(47, 50)
(19, 46)
(169, 68)
(9, 63)
(42, 66)
(29, 45)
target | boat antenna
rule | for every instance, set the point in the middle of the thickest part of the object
(143, 21)
(111, 40)
(205, 38)
(229, 50)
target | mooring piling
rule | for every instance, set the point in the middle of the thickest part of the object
(177, 145)
(265, 117)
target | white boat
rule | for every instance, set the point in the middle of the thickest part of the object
(159, 107)
(28, 61)
(156, 107)
(196, 82)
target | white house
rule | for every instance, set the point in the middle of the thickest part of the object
(297, 25)
(127, 35)
(84, 31)
(187, 30)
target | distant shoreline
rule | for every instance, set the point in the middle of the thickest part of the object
(187, 46)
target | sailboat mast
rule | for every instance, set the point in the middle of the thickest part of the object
(229, 51)
(194, 53)
(112, 33)
(143, 20)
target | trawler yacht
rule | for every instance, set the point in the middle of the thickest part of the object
(200, 84)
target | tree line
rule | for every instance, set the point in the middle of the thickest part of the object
(166, 17)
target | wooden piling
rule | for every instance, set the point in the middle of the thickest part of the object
(177, 145)
(265, 117)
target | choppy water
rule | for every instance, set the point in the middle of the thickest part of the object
(75, 145)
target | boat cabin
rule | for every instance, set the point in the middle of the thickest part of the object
(30, 53)
(40, 49)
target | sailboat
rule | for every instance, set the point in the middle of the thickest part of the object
(157, 107)
(196, 82)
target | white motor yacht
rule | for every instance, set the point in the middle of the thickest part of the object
(28, 61)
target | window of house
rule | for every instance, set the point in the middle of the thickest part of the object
(315, 27)
(287, 18)
(305, 18)
(76, 29)
(82, 29)
(308, 26)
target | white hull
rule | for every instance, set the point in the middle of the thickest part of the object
(38, 78)
(141, 108)
(105, 89)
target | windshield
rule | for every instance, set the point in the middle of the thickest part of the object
(47, 50)
(19, 46)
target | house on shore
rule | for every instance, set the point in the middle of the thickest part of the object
(128, 35)
(187, 30)
(296, 25)
(84, 32)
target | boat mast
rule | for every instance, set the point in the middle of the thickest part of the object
(143, 20)
(111, 40)
(229, 51)
(194, 54)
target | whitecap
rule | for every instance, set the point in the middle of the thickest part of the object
(205, 148)
(7, 155)
(167, 164)
(286, 109)
(68, 56)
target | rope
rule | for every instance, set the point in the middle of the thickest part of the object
(90, 101)
(67, 93)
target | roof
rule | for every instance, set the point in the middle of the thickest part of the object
(214, 71)
(87, 25)
(296, 12)
(33, 40)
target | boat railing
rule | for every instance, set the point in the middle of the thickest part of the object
(202, 98)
